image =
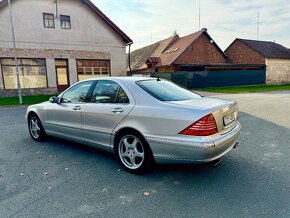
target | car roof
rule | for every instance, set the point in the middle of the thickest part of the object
(124, 78)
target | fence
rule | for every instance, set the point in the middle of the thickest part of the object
(199, 79)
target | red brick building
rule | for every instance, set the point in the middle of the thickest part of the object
(170, 54)
(276, 57)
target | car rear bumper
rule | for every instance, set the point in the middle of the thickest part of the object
(184, 149)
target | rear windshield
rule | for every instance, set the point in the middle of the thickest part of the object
(166, 91)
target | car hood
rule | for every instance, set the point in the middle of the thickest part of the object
(204, 103)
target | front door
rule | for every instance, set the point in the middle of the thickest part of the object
(61, 68)
(64, 118)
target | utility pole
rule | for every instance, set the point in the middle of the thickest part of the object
(15, 56)
(258, 26)
(151, 34)
(198, 14)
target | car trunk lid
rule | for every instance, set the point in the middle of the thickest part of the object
(224, 111)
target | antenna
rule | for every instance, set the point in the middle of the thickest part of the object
(151, 34)
(198, 14)
(258, 26)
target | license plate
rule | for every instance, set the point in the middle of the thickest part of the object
(229, 119)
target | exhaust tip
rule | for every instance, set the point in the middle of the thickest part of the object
(236, 144)
(214, 163)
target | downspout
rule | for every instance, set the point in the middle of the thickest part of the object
(129, 59)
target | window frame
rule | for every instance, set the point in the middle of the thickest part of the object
(158, 97)
(95, 75)
(53, 27)
(20, 65)
(116, 95)
(69, 20)
(87, 97)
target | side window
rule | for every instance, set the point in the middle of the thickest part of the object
(122, 97)
(107, 92)
(77, 93)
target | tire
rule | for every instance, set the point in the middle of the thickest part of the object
(133, 153)
(35, 128)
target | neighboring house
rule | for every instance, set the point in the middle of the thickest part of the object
(276, 57)
(169, 55)
(58, 43)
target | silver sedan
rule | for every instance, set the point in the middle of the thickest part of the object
(142, 120)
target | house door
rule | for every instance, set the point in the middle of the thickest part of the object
(62, 78)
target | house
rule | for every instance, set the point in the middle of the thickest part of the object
(276, 57)
(171, 54)
(59, 42)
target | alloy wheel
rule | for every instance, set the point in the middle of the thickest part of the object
(34, 127)
(131, 152)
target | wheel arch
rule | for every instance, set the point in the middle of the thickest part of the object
(124, 130)
(37, 111)
(30, 113)
(34, 112)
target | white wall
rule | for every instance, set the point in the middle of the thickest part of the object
(88, 32)
(1, 79)
(50, 72)
(278, 70)
(73, 78)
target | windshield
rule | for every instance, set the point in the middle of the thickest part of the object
(166, 91)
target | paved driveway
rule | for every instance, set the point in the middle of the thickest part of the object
(62, 179)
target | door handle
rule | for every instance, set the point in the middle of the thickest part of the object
(117, 110)
(76, 108)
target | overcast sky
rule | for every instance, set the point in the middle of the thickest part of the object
(146, 21)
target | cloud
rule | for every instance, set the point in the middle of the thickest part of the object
(150, 21)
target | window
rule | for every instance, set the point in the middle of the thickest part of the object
(77, 93)
(93, 68)
(32, 73)
(122, 98)
(65, 22)
(108, 92)
(166, 91)
(48, 20)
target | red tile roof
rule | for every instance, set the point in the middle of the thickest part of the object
(98, 12)
(166, 51)
(140, 56)
(177, 48)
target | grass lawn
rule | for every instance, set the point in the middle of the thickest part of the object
(244, 89)
(27, 100)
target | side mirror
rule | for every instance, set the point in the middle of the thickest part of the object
(54, 100)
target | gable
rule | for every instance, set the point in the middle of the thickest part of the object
(201, 51)
(193, 49)
(239, 53)
(36, 8)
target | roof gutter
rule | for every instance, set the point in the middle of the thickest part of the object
(129, 58)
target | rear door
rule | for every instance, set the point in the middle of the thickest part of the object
(109, 105)
(64, 119)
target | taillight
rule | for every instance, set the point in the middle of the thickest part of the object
(203, 127)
